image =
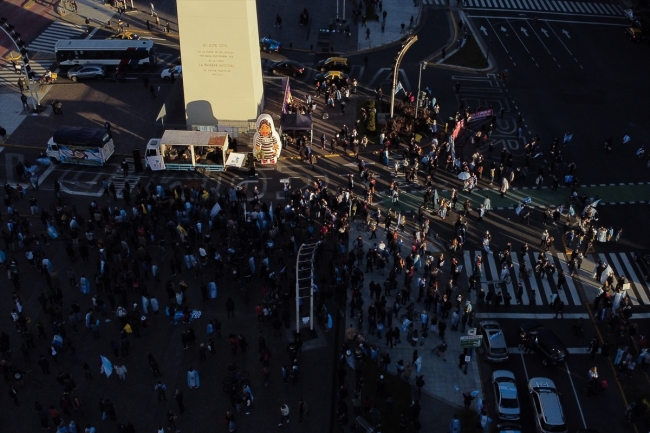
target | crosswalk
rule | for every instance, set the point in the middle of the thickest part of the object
(9, 77)
(541, 291)
(56, 31)
(571, 7)
(309, 75)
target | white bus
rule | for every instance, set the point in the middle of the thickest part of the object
(125, 54)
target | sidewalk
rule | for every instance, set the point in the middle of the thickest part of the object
(441, 377)
(95, 11)
(11, 108)
(324, 34)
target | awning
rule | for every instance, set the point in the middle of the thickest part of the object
(236, 159)
(296, 122)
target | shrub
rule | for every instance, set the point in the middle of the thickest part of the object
(372, 122)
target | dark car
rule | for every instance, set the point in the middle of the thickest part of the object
(333, 64)
(287, 67)
(336, 77)
(545, 343)
(269, 45)
(509, 427)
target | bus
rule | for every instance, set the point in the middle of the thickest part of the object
(125, 54)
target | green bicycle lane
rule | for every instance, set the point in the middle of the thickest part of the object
(612, 194)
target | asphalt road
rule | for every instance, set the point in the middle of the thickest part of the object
(570, 378)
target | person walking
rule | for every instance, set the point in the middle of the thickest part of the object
(178, 396)
(160, 389)
(284, 415)
(121, 371)
(559, 309)
(302, 409)
(125, 168)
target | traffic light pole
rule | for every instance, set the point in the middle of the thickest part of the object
(410, 41)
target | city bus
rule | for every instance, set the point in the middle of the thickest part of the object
(125, 54)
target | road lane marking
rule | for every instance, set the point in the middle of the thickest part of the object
(582, 415)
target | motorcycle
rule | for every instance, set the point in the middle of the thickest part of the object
(47, 78)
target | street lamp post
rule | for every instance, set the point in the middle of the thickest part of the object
(407, 44)
(20, 46)
(423, 65)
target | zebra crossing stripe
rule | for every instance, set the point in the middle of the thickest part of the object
(536, 4)
(524, 296)
(553, 6)
(525, 3)
(580, 6)
(538, 295)
(609, 9)
(600, 8)
(545, 285)
(543, 3)
(569, 280)
(561, 4)
(635, 280)
(619, 271)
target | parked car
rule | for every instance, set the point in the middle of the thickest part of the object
(81, 72)
(166, 74)
(505, 394)
(545, 343)
(494, 341)
(269, 45)
(333, 64)
(547, 409)
(336, 77)
(287, 67)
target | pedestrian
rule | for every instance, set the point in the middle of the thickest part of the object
(467, 399)
(145, 79)
(121, 371)
(559, 309)
(125, 168)
(284, 415)
(160, 389)
(302, 409)
(178, 396)
(152, 90)
(278, 21)
(593, 347)
(23, 99)
(13, 394)
(193, 378)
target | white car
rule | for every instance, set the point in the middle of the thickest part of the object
(167, 73)
(505, 393)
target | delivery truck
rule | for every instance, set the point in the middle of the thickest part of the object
(200, 151)
(83, 146)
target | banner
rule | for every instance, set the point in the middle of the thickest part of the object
(156, 163)
(236, 159)
(478, 115)
(399, 87)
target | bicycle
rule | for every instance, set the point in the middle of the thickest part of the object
(33, 379)
(363, 227)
